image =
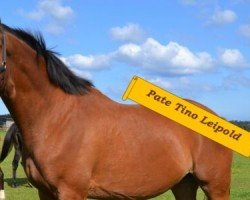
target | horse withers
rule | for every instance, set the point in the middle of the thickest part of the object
(77, 143)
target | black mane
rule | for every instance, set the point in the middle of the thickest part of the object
(59, 74)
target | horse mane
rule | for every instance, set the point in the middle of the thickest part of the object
(59, 74)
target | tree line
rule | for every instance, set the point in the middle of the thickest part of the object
(243, 124)
(3, 119)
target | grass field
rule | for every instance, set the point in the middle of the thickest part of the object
(240, 189)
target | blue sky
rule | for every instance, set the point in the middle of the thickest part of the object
(195, 49)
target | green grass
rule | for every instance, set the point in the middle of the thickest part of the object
(240, 189)
(23, 191)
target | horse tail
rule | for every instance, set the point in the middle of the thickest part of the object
(19, 141)
(8, 142)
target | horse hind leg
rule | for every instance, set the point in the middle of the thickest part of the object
(216, 190)
(216, 186)
(45, 196)
(15, 162)
(215, 181)
(2, 193)
(186, 189)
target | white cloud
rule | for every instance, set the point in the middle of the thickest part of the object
(56, 14)
(55, 9)
(172, 59)
(244, 30)
(34, 15)
(131, 32)
(161, 82)
(91, 62)
(184, 86)
(54, 29)
(232, 58)
(82, 73)
(84, 65)
(223, 17)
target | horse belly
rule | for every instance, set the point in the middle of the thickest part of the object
(139, 175)
(141, 157)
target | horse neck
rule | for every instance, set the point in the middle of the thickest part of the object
(29, 95)
(28, 108)
(32, 112)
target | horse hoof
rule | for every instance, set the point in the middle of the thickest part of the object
(2, 195)
(29, 184)
(14, 185)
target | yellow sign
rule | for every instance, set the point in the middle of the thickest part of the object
(189, 115)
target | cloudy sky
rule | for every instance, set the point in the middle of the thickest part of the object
(197, 49)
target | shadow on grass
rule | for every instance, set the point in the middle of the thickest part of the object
(20, 182)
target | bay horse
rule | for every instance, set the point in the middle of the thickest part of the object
(78, 143)
(12, 139)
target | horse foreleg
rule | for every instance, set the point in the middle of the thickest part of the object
(66, 193)
(45, 196)
(215, 178)
(215, 191)
(2, 193)
(186, 189)
(71, 195)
